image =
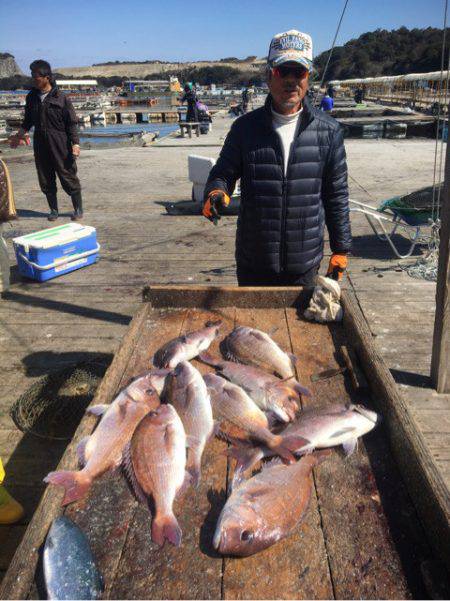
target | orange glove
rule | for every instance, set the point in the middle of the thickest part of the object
(216, 199)
(337, 266)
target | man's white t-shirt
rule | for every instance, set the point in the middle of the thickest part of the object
(286, 127)
(43, 95)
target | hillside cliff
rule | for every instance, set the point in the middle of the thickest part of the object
(8, 65)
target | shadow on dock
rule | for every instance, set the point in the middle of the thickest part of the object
(369, 247)
(63, 307)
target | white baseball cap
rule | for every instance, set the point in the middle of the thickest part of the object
(291, 46)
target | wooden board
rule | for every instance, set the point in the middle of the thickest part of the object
(349, 545)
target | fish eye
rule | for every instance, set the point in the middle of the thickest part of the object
(246, 535)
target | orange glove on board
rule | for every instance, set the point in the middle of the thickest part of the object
(216, 199)
(337, 266)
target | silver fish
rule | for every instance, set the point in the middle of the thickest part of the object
(187, 392)
(254, 347)
(269, 392)
(69, 568)
(186, 347)
(265, 508)
(316, 428)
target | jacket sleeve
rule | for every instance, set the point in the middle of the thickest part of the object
(27, 122)
(335, 196)
(228, 169)
(71, 122)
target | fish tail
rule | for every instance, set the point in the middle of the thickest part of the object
(166, 527)
(209, 359)
(246, 458)
(277, 445)
(297, 444)
(75, 484)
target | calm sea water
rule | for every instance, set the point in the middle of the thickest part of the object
(163, 128)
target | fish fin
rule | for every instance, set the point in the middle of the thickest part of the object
(193, 467)
(215, 430)
(98, 409)
(273, 331)
(81, 451)
(296, 444)
(205, 357)
(224, 437)
(166, 527)
(246, 458)
(293, 359)
(187, 482)
(303, 390)
(258, 335)
(278, 446)
(212, 323)
(341, 432)
(130, 476)
(350, 446)
(270, 463)
(75, 484)
(226, 351)
(272, 418)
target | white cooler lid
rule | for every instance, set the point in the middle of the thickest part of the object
(55, 236)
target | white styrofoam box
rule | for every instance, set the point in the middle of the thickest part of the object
(199, 168)
(197, 192)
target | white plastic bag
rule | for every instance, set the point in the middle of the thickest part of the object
(325, 302)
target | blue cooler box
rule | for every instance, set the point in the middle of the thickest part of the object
(55, 251)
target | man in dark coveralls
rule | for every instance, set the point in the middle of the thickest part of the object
(56, 142)
(290, 158)
(191, 98)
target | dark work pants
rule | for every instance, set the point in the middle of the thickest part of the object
(192, 114)
(247, 277)
(48, 166)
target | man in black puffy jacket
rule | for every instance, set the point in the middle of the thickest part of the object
(291, 161)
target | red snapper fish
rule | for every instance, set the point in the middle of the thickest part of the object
(187, 392)
(155, 462)
(103, 450)
(254, 347)
(266, 507)
(272, 395)
(186, 347)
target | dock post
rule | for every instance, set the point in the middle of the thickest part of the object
(440, 358)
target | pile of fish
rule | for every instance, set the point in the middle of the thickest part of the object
(158, 426)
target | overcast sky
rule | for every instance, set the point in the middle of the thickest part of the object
(90, 31)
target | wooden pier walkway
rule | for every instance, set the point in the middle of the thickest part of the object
(85, 314)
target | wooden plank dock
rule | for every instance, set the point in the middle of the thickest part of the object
(345, 548)
(85, 314)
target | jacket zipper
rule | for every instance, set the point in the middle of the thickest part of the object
(283, 223)
(283, 249)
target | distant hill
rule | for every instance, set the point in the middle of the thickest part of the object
(383, 52)
(143, 69)
(8, 65)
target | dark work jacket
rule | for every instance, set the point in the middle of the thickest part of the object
(281, 219)
(54, 121)
(191, 99)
